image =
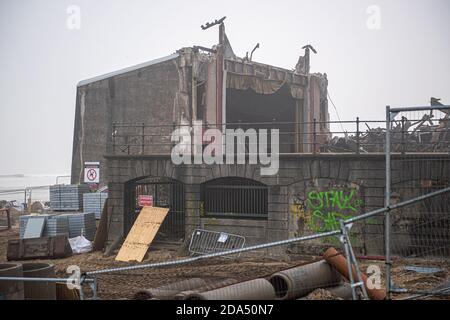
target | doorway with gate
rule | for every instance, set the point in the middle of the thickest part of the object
(165, 193)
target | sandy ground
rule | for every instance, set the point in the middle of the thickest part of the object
(125, 284)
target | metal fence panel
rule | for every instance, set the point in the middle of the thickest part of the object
(206, 242)
(417, 162)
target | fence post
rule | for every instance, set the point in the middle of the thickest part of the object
(8, 217)
(403, 135)
(314, 135)
(387, 202)
(357, 136)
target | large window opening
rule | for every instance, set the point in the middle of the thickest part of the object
(233, 197)
(248, 109)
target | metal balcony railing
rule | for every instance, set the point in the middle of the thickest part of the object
(430, 135)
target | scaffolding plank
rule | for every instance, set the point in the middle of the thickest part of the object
(142, 234)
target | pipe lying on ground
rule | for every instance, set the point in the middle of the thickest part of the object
(257, 289)
(170, 290)
(11, 290)
(35, 290)
(342, 291)
(185, 295)
(300, 281)
(339, 262)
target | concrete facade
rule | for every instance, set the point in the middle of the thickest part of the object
(175, 91)
(138, 96)
(357, 183)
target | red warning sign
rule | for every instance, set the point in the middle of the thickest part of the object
(91, 172)
(92, 175)
(145, 200)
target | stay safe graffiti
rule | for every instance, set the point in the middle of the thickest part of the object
(322, 210)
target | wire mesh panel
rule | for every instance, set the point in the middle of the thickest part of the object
(204, 242)
(419, 163)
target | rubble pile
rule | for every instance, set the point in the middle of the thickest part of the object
(424, 135)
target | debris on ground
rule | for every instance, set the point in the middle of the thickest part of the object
(321, 294)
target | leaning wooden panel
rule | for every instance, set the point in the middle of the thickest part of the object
(142, 234)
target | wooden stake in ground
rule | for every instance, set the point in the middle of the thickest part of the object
(142, 234)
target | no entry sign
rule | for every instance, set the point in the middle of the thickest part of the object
(92, 172)
(145, 200)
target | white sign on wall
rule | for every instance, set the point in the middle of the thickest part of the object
(91, 172)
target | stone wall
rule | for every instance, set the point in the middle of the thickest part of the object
(146, 95)
(308, 195)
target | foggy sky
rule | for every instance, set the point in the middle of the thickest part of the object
(41, 60)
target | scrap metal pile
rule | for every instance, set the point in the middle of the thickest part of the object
(427, 134)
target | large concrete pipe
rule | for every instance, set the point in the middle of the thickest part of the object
(300, 281)
(257, 289)
(11, 290)
(186, 295)
(39, 290)
(343, 291)
(338, 261)
(170, 290)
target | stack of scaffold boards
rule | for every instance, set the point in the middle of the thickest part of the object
(70, 224)
(94, 202)
(67, 197)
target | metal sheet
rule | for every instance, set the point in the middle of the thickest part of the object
(34, 229)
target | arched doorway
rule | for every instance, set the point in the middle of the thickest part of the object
(166, 193)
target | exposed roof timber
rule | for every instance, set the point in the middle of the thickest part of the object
(129, 69)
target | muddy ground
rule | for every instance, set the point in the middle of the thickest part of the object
(124, 285)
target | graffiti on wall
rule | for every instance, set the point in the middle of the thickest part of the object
(320, 210)
(329, 207)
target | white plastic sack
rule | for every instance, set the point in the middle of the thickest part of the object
(80, 245)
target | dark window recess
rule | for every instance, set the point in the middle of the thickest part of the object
(235, 198)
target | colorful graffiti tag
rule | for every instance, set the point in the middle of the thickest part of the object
(328, 207)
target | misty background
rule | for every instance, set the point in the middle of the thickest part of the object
(403, 63)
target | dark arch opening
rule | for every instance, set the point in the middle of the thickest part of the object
(166, 193)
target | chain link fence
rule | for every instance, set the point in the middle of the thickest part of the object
(417, 163)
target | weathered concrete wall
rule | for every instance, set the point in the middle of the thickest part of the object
(309, 195)
(146, 95)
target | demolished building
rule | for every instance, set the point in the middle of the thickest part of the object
(195, 83)
(124, 120)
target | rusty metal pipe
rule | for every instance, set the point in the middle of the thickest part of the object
(257, 289)
(339, 262)
(300, 281)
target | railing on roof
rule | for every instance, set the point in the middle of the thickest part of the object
(314, 137)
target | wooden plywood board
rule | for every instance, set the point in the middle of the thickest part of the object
(102, 230)
(142, 234)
